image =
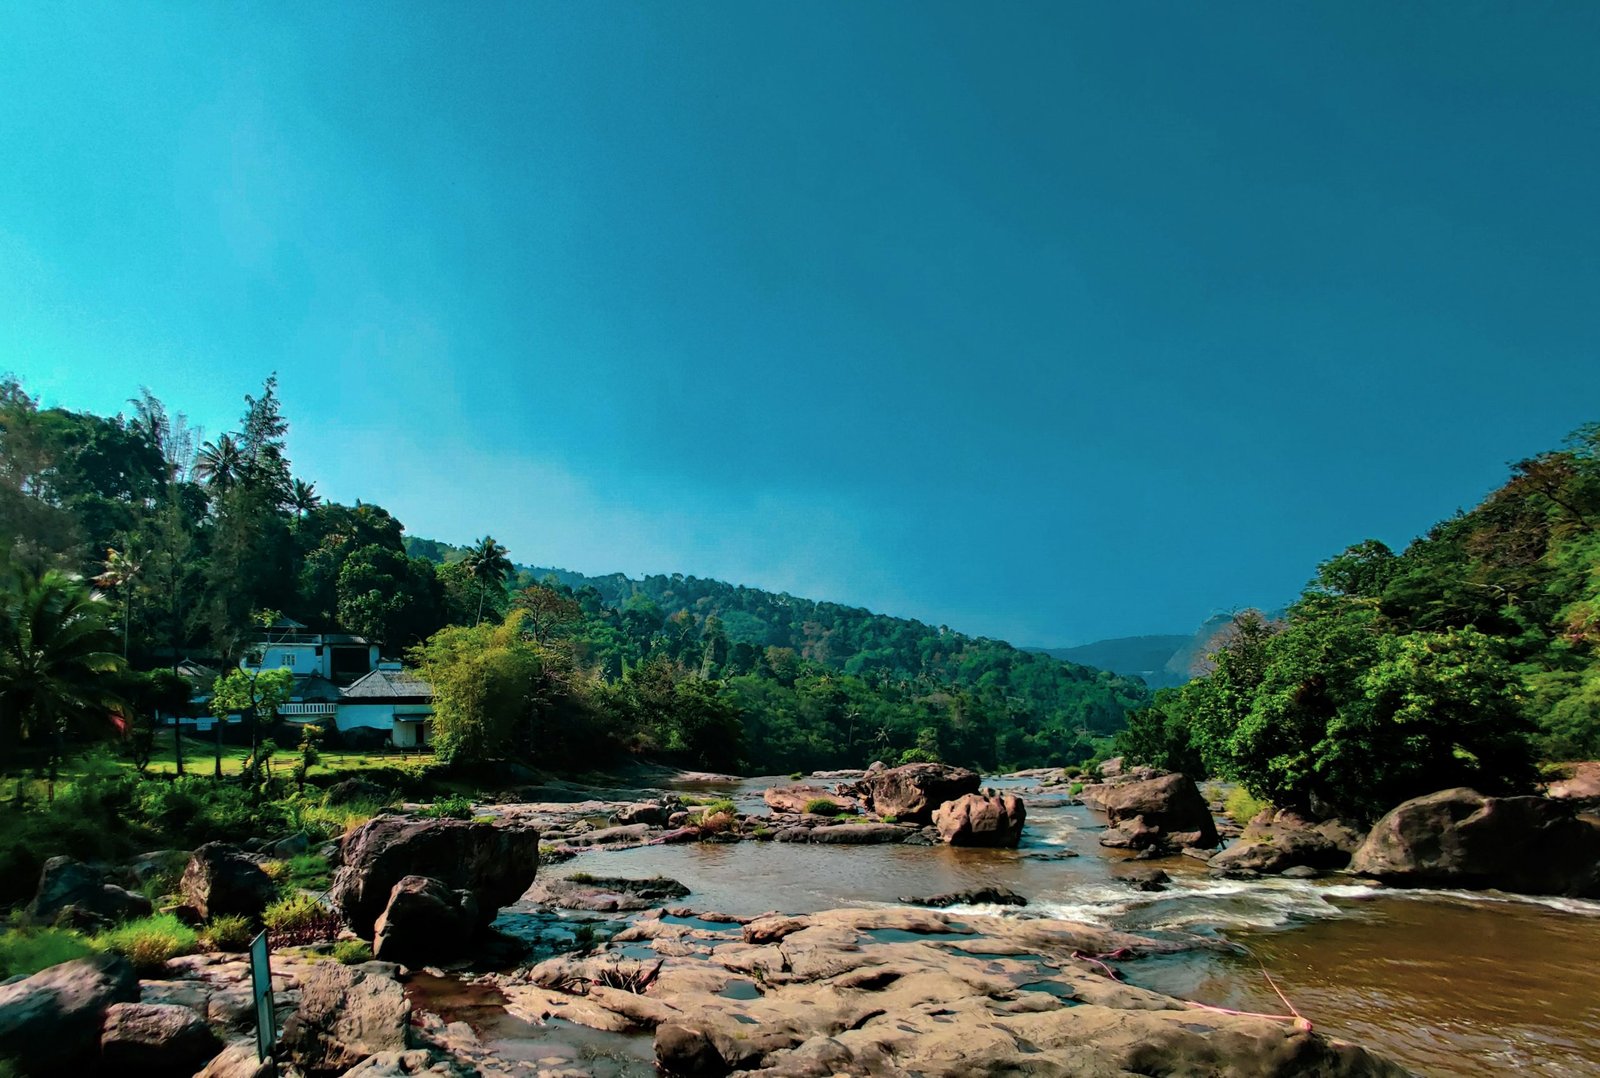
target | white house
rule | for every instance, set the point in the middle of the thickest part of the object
(338, 657)
(391, 699)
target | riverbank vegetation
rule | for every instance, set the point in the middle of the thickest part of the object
(138, 543)
(1461, 661)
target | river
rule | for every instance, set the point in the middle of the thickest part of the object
(1447, 983)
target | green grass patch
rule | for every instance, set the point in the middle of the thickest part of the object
(150, 942)
(822, 806)
(352, 952)
(227, 932)
(26, 951)
(454, 807)
(1075, 789)
(1243, 808)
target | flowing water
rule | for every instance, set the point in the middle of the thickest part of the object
(1447, 983)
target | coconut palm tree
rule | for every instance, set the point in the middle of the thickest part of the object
(303, 497)
(58, 662)
(220, 463)
(122, 569)
(487, 562)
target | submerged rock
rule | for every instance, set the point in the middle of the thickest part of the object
(1460, 838)
(980, 896)
(604, 894)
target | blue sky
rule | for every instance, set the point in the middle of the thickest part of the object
(1045, 321)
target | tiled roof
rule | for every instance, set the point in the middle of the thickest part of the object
(388, 685)
(314, 688)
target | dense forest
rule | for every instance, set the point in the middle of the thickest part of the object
(183, 545)
(1462, 660)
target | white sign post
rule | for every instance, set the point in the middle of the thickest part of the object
(261, 989)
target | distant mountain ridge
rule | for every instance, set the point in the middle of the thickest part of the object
(1162, 661)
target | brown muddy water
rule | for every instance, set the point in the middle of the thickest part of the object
(1446, 983)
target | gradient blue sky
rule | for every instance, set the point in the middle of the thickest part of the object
(1046, 321)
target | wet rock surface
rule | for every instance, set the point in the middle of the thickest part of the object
(604, 894)
(1167, 810)
(987, 819)
(1281, 839)
(903, 992)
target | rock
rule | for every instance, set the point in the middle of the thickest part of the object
(497, 864)
(1280, 839)
(1168, 805)
(346, 1014)
(605, 894)
(1143, 878)
(1111, 768)
(416, 1061)
(69, 884)
(1132, 834)
(794, 799)
(238, 1060)
(981, 820)
(631, 834)
(355, 789)
(50, 1022)
(1579, 784)
(646, 812)
(981, 896)
(155, 1039)
(854, 834)
(917, 992)
(911, 793)
(293, 846)
(687, 1053)
(424, 922)
(1299, 872)
(1460, 838)
(221, 879)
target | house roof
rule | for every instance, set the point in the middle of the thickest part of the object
(382, 685)
(314, 688)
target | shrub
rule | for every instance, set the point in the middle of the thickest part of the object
(25, 951)
(227, 932)
(300, 919)
(150, 942)
(822, 806)
(277, 871)
(454, 807)
(352, 952)
(721, 806)
(918, 756)
(1075, 789)
(797, 775)
(1242, 808)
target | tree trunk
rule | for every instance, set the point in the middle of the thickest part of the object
(219, 721)
(177, 741)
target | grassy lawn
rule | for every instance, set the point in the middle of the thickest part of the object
(199, 757)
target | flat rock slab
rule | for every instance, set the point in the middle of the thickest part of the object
(903, 992)
(604, 894)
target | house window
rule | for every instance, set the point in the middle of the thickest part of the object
(288, 660)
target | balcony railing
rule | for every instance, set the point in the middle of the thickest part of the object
(287, 710)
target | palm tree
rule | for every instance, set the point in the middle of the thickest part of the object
(122, 569)
(220, 463)
(303, 497)
(487, 562)
(58, 662)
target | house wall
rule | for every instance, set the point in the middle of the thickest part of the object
(297, 658)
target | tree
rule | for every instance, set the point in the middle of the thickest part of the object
(122, 569)
(548, 611)
(253, 693)
(303, 497)
(220, 464)
(488, 689)
(59, 669)
(488, 564)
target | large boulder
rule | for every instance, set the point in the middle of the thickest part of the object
(912, 792)
(50, 1022)
(496, 863)
(1169, 809)
(155, 1040)
(424, 922)
(222, 879)
(1281, 839)
(1460, 838)
(794, 799)
(67, 883)
(346, 1014)
(981, 820)
(654, 813)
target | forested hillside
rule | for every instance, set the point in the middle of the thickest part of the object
(181, 545)
(1461, 661)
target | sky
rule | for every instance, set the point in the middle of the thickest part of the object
(1050, 322)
